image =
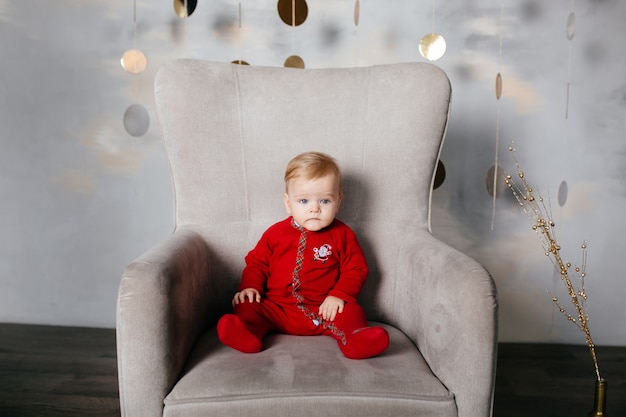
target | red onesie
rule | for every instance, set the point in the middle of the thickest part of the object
(294, 278)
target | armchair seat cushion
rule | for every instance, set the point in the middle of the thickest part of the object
(307, 376)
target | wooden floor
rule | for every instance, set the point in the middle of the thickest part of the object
(557, 380)
(57, 371)
(64, 371)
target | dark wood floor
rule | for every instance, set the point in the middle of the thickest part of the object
(57, 371)
(557, 380)
(65, 371)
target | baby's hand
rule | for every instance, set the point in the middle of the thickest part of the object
(330, 307)
(249, 294)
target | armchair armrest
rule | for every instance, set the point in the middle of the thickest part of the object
(162, 308)
(450, 313)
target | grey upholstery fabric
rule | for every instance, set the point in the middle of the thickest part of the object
(304, 370)
(229, 132)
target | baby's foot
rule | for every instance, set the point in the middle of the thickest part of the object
(233, 332)
(365, 342)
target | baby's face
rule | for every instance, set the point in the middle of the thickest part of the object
(313, 203)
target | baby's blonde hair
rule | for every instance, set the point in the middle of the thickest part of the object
(312, 165)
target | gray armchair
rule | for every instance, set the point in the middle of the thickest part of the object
(228, 132)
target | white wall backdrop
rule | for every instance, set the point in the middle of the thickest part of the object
(81, 197)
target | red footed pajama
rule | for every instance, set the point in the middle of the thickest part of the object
(244, 330)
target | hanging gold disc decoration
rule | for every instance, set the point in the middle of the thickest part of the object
(136, 120)
(134, 61)
(495, 172)
(185, 8)
(293, 12)
(571, 26)
(239, 25)
(495, 188)
(294, 61)
(432, 46)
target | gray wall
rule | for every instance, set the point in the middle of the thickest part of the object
(81, 197)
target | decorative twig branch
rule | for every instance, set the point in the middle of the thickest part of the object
(540, 216)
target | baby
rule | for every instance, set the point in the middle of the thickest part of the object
(305, 273)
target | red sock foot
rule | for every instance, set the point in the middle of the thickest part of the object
(233, 332)
(365, 343)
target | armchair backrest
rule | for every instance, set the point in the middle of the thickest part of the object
(229, 131)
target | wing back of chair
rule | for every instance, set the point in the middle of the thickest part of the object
(229, 131)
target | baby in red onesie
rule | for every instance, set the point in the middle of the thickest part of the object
(305, 273)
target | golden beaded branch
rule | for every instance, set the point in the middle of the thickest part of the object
(540, 216)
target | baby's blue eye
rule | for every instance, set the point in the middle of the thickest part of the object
(303, 201)
(325, 201)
